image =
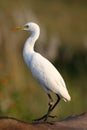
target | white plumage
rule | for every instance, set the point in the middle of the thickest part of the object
(43, 70)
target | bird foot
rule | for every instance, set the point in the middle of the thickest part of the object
(44, 118)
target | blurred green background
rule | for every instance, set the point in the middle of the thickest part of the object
(63, 41)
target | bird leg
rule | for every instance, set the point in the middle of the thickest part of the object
(50, 109)
(51, 101)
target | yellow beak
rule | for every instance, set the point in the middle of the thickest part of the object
(17, 28)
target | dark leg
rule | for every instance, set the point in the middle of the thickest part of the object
(58, 99)
(50, 109)
(51, 101)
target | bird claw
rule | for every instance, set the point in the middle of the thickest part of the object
(53, 116)
(44, 118)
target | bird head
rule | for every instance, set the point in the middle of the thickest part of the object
(32, 27)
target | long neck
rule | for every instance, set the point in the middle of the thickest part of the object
(29, 44)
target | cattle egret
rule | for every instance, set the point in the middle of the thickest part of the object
(43, 70)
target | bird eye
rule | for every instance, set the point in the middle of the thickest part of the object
(27, 26)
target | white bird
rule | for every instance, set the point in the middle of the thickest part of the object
(42, 69)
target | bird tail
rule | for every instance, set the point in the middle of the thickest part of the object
(67, 97)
